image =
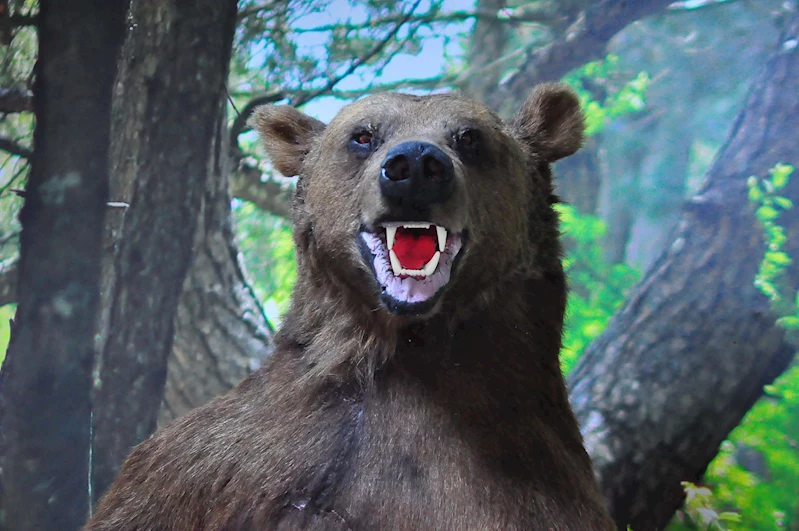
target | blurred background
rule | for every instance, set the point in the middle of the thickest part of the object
(678, 214)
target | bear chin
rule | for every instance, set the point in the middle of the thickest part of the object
(409, 297)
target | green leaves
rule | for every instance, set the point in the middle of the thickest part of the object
(603, 80)
(700, 508)
(597, 288)
(268, 251)
(770, 205)
(780, 174)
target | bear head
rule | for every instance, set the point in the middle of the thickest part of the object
(415, 204)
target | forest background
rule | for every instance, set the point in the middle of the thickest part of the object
(678, 216)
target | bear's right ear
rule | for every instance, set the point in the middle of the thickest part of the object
(550, 122)
(287, 135)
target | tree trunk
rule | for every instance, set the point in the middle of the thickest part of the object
(47, 376)
(486, 46)
(689, 354)
(221, 332)
(178, 53)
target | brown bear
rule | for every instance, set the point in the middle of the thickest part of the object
(415, 384)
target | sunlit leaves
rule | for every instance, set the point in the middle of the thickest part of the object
(605, 92)
(6, 314)
(597, 288)
(769, 206)
(770, 431)
(700, 509)
(268, 251)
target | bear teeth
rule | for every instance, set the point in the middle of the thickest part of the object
(426, 271)
(391, 233)
(442, 238)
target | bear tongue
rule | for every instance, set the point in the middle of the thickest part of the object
(415, 247)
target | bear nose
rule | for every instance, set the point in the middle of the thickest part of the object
(418, 172)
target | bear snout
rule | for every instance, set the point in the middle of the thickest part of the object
(418, 174)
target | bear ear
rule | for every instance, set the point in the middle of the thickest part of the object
(550, 122)
(287, 135)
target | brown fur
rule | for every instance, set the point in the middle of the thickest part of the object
(367, 420)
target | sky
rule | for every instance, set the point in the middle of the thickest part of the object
(430, 62)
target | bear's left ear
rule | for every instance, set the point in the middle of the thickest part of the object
(550, 122)
(287, 135)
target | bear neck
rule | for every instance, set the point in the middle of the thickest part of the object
(518, 324)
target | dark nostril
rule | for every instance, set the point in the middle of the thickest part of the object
(435, 170)
(397, 168)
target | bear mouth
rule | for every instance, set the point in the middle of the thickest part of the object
(412, 262)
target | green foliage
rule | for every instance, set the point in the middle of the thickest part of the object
(597, 288)
(604, 94)
(268, 252)
(764, 495)
(16, 71)
(700, 510)
(763, 194)
(6, 314)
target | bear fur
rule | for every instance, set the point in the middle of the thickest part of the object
(374, 414)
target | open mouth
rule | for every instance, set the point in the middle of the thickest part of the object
(412, 260)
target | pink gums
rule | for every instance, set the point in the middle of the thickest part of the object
(411, 289)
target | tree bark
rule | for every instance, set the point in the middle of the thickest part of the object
(178, 52)
(486, 46)
(689, 354)
(221, 332)
(46, 379)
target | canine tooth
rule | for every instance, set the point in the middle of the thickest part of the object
(431, 266)
(442, 237)
(395, 263)
(416, 225)
(391, 232)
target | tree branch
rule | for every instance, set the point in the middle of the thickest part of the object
(15, 100)
(12, 147)
(239, 125)
(434, 82)
(583, 41)
(300, 98)
(259, 9)
(246, 184)
(528, 16)
(357, 63)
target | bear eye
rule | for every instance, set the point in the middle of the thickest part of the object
(467, 138)
(362, 138)
(361, 143)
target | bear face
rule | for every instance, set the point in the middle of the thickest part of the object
(418, 203)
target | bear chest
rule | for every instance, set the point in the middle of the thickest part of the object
(414, 461)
